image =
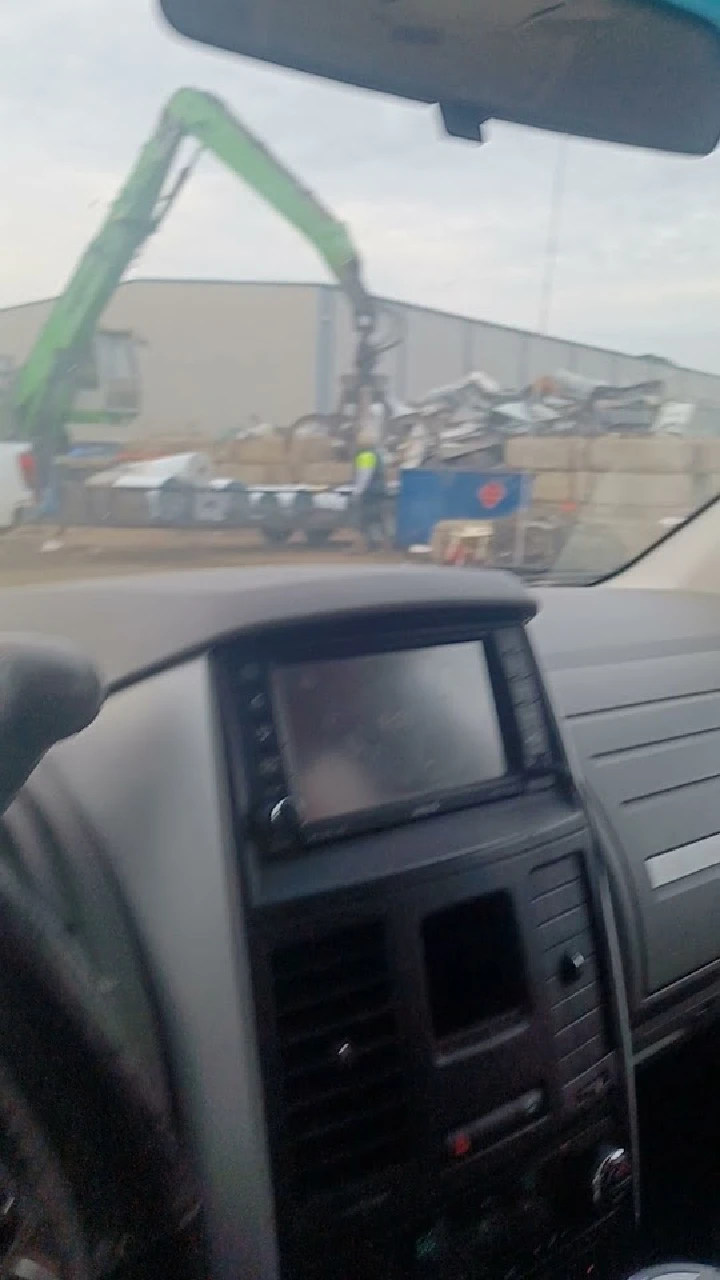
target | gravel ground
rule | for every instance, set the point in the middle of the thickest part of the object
(83, 553)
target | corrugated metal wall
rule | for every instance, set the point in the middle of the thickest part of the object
(19, 327)
(440, 348)
(213, 354)
(216, 353)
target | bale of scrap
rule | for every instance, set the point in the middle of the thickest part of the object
(474, 414)
(326, 475)
(546, 453)
(311, 447)
(250, 473)
(641, 455)
(562, 487)
(268, 450)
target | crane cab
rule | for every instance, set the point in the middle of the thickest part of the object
(108, 387)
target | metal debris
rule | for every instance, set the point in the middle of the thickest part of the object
(470, 420)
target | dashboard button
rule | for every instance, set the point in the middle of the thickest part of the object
(459, 1145)
(462, 1143)
(572, 967)
(280, 826)
(611, 1176)
(532, 1104)
(258, 703)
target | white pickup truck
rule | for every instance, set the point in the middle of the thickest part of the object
(17, 464)
(17, 468)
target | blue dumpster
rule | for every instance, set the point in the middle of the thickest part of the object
(426, 497)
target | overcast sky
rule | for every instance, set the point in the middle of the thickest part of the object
(438, 222)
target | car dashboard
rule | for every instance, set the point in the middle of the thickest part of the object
(391, 885)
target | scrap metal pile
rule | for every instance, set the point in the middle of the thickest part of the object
(469, 421)
(298, 479)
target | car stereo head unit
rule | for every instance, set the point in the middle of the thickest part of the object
(339, 739)
(362, 733)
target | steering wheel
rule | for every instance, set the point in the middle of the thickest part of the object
(48, 691)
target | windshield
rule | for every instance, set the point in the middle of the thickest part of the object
(268, 318)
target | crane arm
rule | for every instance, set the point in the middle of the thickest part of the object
(209, 121)
(46, 385)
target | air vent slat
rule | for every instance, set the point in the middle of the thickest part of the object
(345, 1105)
(359, 989)
(325, 1177)
(363, 1023)
(304, 967)
(313, 1068)
(338, 1130)
(336, 1097)
(298, 956)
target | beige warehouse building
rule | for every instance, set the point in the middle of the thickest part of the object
(215, 353)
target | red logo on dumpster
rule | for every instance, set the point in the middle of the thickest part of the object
(490, 495)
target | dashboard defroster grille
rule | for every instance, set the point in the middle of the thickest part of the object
(345, 1107)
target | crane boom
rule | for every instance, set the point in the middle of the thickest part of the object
(46, 385)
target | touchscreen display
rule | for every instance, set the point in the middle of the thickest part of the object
(358, 733)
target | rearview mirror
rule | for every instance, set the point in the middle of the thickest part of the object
(646, 74)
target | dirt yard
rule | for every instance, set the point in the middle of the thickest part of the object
(28, 556)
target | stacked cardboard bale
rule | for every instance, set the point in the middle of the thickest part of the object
(707, 470)
(273, 458)
(634, 487)
(279, 458)
(261, 459)
(313, 462)
(141, 449)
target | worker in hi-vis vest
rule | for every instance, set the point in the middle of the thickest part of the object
(370, 493)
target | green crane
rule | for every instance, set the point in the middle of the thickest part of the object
(46, 387)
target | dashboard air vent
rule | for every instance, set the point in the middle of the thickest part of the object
(345, 1106)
